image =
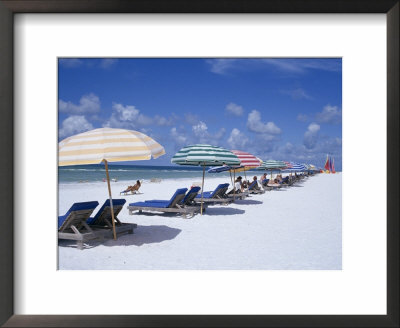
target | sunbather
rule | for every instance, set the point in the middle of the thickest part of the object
(238, 186)
(257, 184)
(263, 177)
(134, 188)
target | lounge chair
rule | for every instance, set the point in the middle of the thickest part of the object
(238, 194)
(103, 219)
(286, 181)
(174, 205)
(217, 196)
(267, 186)
(130, 192)
(73, 224)
(252, 188)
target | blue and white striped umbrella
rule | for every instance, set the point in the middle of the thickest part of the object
(219, 169)
(296, 167)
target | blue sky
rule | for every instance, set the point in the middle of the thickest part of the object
(283, 109)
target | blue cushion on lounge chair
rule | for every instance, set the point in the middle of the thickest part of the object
(77, 207)
(211, 194)
(192, 193)
(116, 202)
(183, 201)
(160, 203)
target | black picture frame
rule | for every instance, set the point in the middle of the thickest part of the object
(10, 7)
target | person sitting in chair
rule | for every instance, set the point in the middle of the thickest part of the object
(238, 186)
(257, 184)
(134, 188)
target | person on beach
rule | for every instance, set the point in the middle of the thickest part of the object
(238, 186)
(134, 188)
(257, 186)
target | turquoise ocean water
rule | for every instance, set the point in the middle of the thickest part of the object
(96, 173)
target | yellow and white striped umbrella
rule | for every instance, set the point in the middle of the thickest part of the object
(113, 145)
(107, 145)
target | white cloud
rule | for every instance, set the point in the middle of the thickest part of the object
(70, 62)
(202, 135)
(302, 118)
(130, 117)
(255, 124)
(200, 129)
(108, 62)
(237, 140)
(286, 65)
(234, 109)
(191, 119)
(297, 94)
(288, 148)
(311, 136)
(88, 104)
(220, 66)
(179, 138)
(76, 62)
(73, 125)
(330, 114)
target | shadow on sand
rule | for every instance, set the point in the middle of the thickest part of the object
(248, 202)
(223, 211)
(142, 235)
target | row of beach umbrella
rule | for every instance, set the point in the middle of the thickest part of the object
(106, 145)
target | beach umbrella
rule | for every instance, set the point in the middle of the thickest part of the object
(107, 145)
(225, 168)
(272, 165)
(247, 160)
(296, 167)
(204, 155)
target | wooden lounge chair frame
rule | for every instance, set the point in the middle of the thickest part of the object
(75, 228)
(238, 195)
(120, 227)
(127, 193)
(219, 198)
(184, 211)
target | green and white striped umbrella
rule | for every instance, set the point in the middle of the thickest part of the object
(205, 155)
(272, 165)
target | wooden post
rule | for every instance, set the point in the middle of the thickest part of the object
(234, 179)
(111, 203)
(202, 189)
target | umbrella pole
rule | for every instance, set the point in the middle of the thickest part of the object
(247, 185)
(111, 203)
(202, 188)
(234, 189)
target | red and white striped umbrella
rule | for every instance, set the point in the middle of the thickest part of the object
(247, 160)
(288, 165)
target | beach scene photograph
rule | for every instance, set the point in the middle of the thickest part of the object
(199, 164)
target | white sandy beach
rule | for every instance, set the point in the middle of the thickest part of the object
(295, 228)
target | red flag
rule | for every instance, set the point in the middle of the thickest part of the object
(327, 163)
(333, 165)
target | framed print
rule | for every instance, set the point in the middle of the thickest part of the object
(245, 76)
